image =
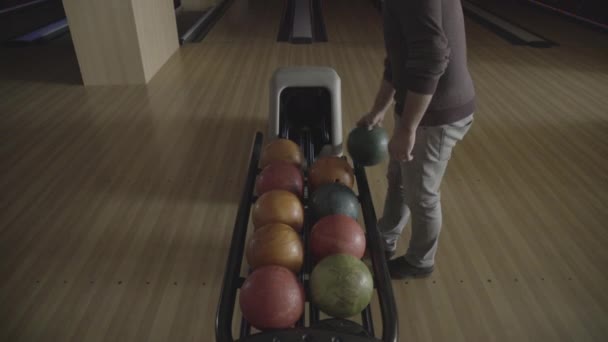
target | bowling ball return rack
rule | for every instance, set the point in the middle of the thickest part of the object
(310, 328)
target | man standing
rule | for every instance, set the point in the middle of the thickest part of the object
(426, 73)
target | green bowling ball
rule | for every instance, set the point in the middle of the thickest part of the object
(368, 147)
(341, 286)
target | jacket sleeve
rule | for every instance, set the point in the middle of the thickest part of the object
(388, 72)
(427, 45)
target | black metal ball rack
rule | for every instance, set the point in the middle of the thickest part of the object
(310, 328)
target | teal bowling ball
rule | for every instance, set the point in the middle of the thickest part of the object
(334, 198)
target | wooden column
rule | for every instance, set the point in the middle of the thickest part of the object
(121, 41)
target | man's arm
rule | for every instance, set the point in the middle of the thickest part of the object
(428, 56)
(414, 108)
(384, 98)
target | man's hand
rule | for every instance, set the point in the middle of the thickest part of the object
(401, 145)
(371, 120)
(384, 99)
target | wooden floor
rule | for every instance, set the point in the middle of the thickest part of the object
(117, 203)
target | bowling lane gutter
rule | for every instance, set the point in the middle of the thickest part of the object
(302, 22)
(504, 28)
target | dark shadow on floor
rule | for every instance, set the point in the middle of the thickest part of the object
(51, 62)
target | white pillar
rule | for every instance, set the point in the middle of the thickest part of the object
(121, 41)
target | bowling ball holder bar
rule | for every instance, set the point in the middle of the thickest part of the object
(334, 330)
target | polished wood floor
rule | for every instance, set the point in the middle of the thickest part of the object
(117, 203)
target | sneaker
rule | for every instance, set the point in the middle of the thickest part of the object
(399, 268)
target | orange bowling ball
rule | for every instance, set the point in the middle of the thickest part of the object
(282, 149)
(275, 244)
(331, 170)
(278, 206)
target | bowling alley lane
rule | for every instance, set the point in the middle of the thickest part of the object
(118, 201)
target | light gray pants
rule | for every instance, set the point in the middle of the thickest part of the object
(413, 190)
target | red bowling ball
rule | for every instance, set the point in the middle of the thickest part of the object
(280, 175)
(272, 298)
(337, 234)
